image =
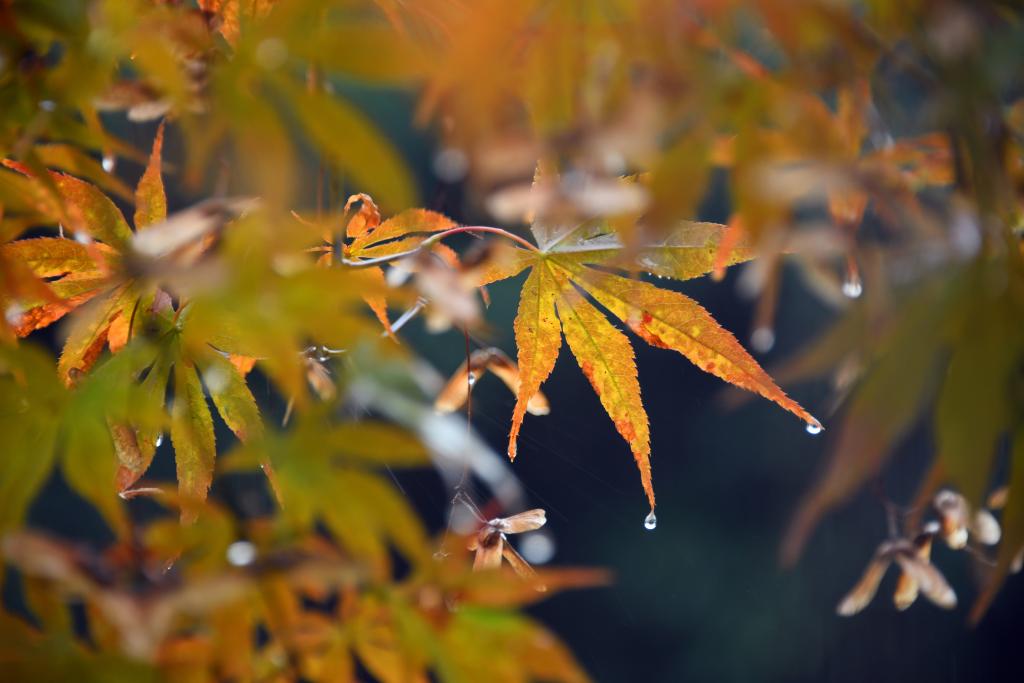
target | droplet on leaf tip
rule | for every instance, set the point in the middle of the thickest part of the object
(813, 428)
(651, 521)
(159, 440)
(109, 163)
(852, 287)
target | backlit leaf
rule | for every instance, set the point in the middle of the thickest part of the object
(192, 436)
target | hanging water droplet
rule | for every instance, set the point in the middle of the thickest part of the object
(651, 521)
(813, 428)
(852, 287)
(159, 440)
(109, 163)
(471, 379)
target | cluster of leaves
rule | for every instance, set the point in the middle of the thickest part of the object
(602, 126)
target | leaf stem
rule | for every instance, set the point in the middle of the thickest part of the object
(433, 239)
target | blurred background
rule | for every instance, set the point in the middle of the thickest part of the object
(702, 597)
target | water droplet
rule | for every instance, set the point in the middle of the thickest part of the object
(159, 440)
(651, 521)
(471, 379)
(813, 428)
(241, 553)
(762, 339)
(852, 287)
(83, 238)
(109, 163)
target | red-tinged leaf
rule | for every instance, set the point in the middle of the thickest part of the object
(41, 316)
(364, 220)
(377, 302)
(192, 436)
(232, 397)
(670, 320)
(244, 364)
(88, 336)
(409, 222)
(150, 199)
(606, 358)
(132, 462)
(538, 339)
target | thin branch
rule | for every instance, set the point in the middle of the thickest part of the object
(434, 239)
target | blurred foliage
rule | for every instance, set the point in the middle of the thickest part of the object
(876, 146)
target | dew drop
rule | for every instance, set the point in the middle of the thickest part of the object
(651, 521)
(471, 379)
(852, 287)
(159, 440)
(813, 428)
(109, 163)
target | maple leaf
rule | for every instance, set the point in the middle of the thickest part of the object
(554, 302)
(366, 236)
(192, 366)
(93, 272)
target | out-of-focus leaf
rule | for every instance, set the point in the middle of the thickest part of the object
(75, 161)
(192, 436)
(974, 411)
(29, 395)
(884, 406)
(1013, 530)
(359, 150)
(375, 443)
(150, 200)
